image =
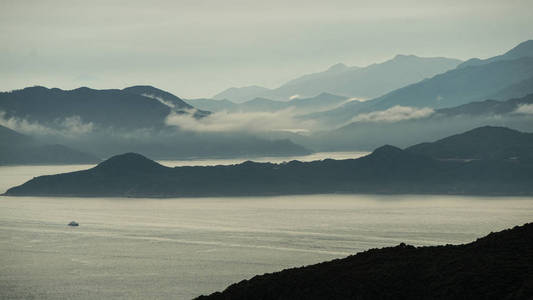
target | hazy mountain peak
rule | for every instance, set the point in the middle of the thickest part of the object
(386, 151)
(166, 98)
(523, 49)
(404, 56)
(363, 82)
(144, 88)
(490, 130)
(83, 89)
(153, 91)
(326, 94)
(337, 68)
(130, 162)
(259, 99)
(242, 94)
(395, 156)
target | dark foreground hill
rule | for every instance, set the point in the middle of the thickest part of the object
(387, 170)
(498, 266)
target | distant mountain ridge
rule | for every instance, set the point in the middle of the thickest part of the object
(524, 49)
(461, 85)
(243, 94)
(501, 78)
(386, 170)
(366, 133)
(106, 122)
(488, 107)
(320, 102)
(19, 149)
(366, 82)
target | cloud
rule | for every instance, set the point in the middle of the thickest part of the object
(294, 97)
(240, 121)
(163, 101)
(394, 114)
(74, 126)
(68, 127)
(526, 109)
(24, 126)
(358, 99)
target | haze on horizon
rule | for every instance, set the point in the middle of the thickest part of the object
(199, 48)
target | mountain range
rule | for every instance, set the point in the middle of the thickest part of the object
(106, 122)
(130, 108)
(387, 169)
(156, 123)
(521, 50)
(321, 102)
(404, 126)
(501, 78)
(497, 266)
(514, 106)
(366, 82)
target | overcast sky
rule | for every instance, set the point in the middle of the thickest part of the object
(197, 48)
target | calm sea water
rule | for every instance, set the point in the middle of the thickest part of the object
(181, 248)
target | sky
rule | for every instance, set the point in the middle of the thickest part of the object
(198, 48)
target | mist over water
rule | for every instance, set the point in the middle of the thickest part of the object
(181, 248)
(275, 159)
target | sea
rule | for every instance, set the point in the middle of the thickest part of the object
(138, 248)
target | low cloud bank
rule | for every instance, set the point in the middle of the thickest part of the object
(240, 121)
(394, 114)
(358, 99)
(163, 101)
(526, 109)
(70, 126)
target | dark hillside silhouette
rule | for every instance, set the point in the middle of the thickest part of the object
(497, 266)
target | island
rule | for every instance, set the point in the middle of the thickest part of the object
(461, 164)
